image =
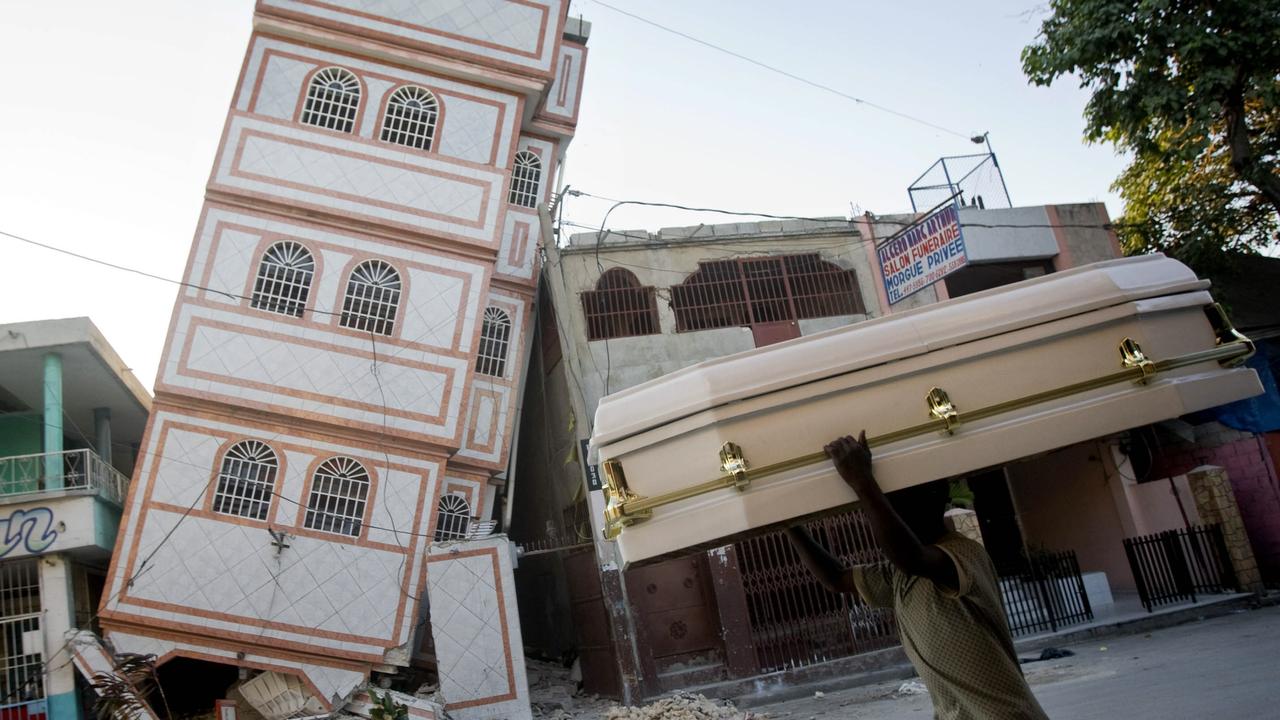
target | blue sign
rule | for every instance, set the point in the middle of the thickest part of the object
(922, 254)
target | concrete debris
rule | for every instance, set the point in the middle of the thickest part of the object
(912, 687)
(555, 694)
(683, 706)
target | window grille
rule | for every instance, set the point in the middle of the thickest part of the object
(821, 289)
(284, 279)
(410, 119)
(619, 307)
(756, 291)
(495, 337)
(333, 97)
(525, 176)
(373, 294)
(453, 518)
(246, 480)
(712, 297)
(22, 681)
(339, 488)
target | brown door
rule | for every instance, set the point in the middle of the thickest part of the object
(676, 608)
(770, 333)
(591, 624)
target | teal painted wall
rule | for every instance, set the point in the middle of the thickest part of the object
(20, 434)
(106, 523)
(64, 707)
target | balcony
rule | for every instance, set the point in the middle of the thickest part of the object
(72, 472)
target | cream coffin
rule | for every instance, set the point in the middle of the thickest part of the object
(733, 445)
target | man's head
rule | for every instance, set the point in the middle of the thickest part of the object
(921, 508)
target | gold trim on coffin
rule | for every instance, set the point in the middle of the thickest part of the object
(624, 507)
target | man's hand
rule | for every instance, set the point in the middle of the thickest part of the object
(852, 459)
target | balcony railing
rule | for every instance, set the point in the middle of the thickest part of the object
(68, 470)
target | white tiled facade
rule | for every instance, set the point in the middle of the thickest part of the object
(477, 630)
(264, 584)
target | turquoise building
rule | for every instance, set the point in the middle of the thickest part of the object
(71, 420)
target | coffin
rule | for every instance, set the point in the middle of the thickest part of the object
(734, 445)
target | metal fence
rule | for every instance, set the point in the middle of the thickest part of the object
(794, 620)
(1044, 594)
(71, 469)
(1176, 565)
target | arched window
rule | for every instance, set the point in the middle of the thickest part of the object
(336, 504)
(246, 480)
(763, 290)
(373, 294)
(620, 307)
(453, 518)
(410, 119)
(525, 176)
(333, 97)
(495, 337)
(284, 279)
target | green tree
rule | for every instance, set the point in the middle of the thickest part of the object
(1191, 89)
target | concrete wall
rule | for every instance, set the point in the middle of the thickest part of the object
(1155, 508)
(1065, 501)
(1033, 240)
(548, 479)
(1249, 465)
(665, 259)
(1079, 244)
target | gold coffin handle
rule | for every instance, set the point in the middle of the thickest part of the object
(1227, 334)
(617, 496)
(1131, 356)
(941, 407)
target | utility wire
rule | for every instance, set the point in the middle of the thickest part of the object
(143, 273)
(784, 73)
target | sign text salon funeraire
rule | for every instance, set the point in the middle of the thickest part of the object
(923, 254)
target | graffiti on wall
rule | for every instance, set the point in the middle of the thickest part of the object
(30, 528)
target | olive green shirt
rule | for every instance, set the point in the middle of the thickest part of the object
(958, 640)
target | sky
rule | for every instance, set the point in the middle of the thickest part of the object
(112, 113)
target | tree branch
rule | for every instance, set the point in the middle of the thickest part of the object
(1243, 160)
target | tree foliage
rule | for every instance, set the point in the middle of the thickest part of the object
(1191, 89)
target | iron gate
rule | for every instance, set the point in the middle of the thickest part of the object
(794, 620)
(1176, 565)
(1044, 593)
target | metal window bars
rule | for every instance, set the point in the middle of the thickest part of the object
(333, 98)
(754, 291)
(620, 307)
(373, 295)
(495, 340)
(410, 118)
(284, 279)
(526, 173)
(246, 480)
(453, 518)
(67, 470)
(22, 681)
(336, 504)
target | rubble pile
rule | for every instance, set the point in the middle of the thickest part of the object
(683, 706)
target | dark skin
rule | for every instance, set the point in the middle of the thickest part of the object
(910, 550)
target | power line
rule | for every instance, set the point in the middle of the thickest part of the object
(784, 73)
(143, 273)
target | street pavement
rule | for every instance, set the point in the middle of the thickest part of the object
(1222, 668)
